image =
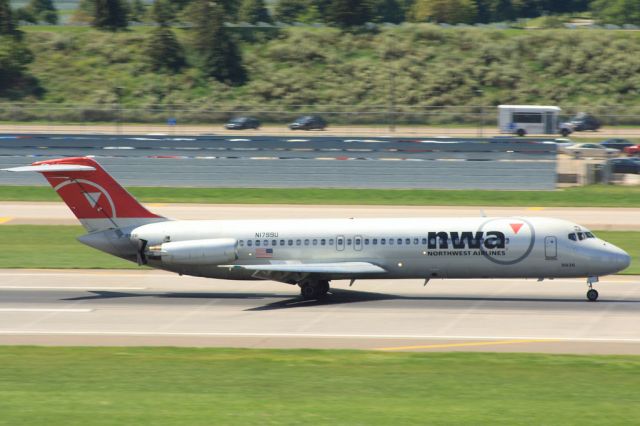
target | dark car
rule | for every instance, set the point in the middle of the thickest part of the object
(241, 123)
(619, 144)
(625, 165)
(308, 122)
(581, 122)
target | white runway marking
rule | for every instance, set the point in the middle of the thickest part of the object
(44, 310)
(312, 335)
(19, 287)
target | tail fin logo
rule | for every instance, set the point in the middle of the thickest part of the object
(91, 203)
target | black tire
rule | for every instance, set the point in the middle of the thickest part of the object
(323, 288)
(308, 292)
(521, 132)
(565, 133)
(592, 295)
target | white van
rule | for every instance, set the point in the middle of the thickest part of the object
(528, 119)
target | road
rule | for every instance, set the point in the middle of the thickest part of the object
(57, 213)
(281, 130)
(158, 308)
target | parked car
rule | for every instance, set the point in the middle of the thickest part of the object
(625, 165)
(618, 144)
(632, 150)
(241, 123)
(589, 150)
(581, 122)
(559, 143)
(308, 122)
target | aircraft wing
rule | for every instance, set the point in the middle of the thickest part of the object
(314, 268)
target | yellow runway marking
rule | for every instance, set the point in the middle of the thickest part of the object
(461, 345)
(537, 209)
(5, 219)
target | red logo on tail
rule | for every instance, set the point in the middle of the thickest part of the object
(516, 227)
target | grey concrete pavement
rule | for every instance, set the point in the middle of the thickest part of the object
(57, 213)
(157, 308)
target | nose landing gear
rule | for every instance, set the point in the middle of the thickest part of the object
(592, 293)
(310, 290)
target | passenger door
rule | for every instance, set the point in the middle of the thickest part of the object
(551, 248)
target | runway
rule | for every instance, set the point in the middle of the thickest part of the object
(161, 309)
(57, 213)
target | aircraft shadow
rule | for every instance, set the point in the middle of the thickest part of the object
(343, 296)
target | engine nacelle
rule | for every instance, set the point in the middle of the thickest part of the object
(197, 252)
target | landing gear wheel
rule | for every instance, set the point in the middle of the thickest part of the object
(310, 290)
(592, 295)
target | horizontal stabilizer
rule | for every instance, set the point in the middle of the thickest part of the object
(52, 168)
(315, 268)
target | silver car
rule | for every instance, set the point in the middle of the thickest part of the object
(589, 150)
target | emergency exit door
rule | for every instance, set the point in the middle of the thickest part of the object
(550, 248)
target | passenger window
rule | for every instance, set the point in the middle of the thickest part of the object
(399, 240)
(357, 241)
(382, 241)
(407, 241)
(415, 241)
(375, 241)
(241, 243)
(257, 243)
(391, 241)
(290, 242)
(366, 241)
(315, 242)
(266, 243)
(274, 243)
(281, 242)
(298, 242)
(249, 243)
(306, 242)
(572, 237)
(424, 241)
(348, 241)
(322, 242)
(331, 241)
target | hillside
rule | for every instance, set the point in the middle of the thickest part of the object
(428, 66)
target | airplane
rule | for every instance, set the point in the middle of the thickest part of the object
(312, 252)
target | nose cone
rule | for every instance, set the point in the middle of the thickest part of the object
(618, 258)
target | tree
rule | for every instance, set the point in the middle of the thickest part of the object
(137, 10)
(43, 11)
(348, 13)
(289, 10)
(111, 15)
(387, 11)
(218, 53)
(446, 11)
(163, 49)
(253, 11)
(15, 82)
(7, 23)
(618, 12)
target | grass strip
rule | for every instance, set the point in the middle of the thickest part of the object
(589, 196)
(44, 246)
(188, 386)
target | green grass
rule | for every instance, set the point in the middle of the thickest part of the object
(42, 247)
(590, 196)
(35, 246)
(180, 386)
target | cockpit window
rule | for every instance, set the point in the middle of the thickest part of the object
(589, 235)
(581, 236)
(572, 237)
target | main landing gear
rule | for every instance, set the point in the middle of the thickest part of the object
(310, 289)
(592, 293)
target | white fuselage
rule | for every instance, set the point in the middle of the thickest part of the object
(479, 247)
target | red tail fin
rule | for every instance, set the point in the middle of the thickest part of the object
(96, 199)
